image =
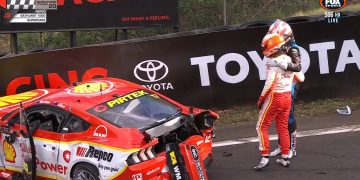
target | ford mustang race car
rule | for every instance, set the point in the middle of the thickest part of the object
(103, 129)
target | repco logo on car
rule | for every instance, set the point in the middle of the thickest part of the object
(333, 5)
(91, 152)
(151, 71)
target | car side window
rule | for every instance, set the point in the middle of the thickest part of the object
(47, 118)
(75, 124)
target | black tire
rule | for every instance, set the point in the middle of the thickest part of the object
(85, 171)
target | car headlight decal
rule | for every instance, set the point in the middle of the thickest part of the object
(149, 152)
(135, 158)
(141, 156)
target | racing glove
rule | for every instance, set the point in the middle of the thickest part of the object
(260, 102)
(295, 65)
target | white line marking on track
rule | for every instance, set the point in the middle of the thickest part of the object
(316, 132)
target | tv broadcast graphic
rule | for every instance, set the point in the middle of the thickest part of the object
(179, 90)
(61, 15)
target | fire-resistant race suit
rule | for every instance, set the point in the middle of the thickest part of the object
(299, 77)
(294, 53)
(275, 103)
(292, 50)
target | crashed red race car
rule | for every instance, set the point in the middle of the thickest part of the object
(104, 129)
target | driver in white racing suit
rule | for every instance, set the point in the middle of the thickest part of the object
(275, 102)
(291, 49)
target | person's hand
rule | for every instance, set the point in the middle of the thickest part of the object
(275, 63)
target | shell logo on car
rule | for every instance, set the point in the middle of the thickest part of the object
(13, 100)
(9, 151)
(91, 88)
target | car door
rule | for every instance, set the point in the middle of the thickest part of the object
(73, 128)
(10, 146)
(47, 138)
(2, 165)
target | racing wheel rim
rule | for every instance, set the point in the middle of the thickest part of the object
(84, 175)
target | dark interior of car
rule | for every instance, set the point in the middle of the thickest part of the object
(48, 122)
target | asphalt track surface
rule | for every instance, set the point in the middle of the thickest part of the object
(328, 157)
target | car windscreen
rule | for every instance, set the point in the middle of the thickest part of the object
(137, 109)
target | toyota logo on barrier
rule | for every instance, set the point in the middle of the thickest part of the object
(151, 71)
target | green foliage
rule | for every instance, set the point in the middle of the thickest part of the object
(198, 14)
(321, 107)
(95, 37)
(146, 32)
(4, 43)
(193, 14)
(28, 41)
(56, 40)
(246, 11)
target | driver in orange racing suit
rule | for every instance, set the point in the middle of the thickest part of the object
(275, 101)
(291, 49)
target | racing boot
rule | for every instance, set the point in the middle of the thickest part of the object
(275, 152)
(292, 152)
(283, 161)
(263, 162)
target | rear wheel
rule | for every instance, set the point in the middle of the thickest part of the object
(85, 171)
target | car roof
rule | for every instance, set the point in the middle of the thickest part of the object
(12, 102)
(84, 95)
(88, 94)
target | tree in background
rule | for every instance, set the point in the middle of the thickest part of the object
(193, 14)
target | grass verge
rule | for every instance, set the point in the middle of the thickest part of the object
(303, 110)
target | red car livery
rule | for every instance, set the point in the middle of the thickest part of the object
(105, 129)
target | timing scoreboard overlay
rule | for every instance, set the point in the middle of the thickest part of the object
(31, 4)
(39, 16)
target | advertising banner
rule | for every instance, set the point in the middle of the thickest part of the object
(65, 15)
(209, 70)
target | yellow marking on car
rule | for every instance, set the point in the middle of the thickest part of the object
(120, 172)
(13, 99)
(100, 145)
(46, 140)
(13, 169)
(88, 143)
(37, 173)
(155, 96)
(173, 158)
(26, 167)
(9, 152)
(126, 98)
(91, 87)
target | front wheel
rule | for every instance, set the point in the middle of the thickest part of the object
(85, 171)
